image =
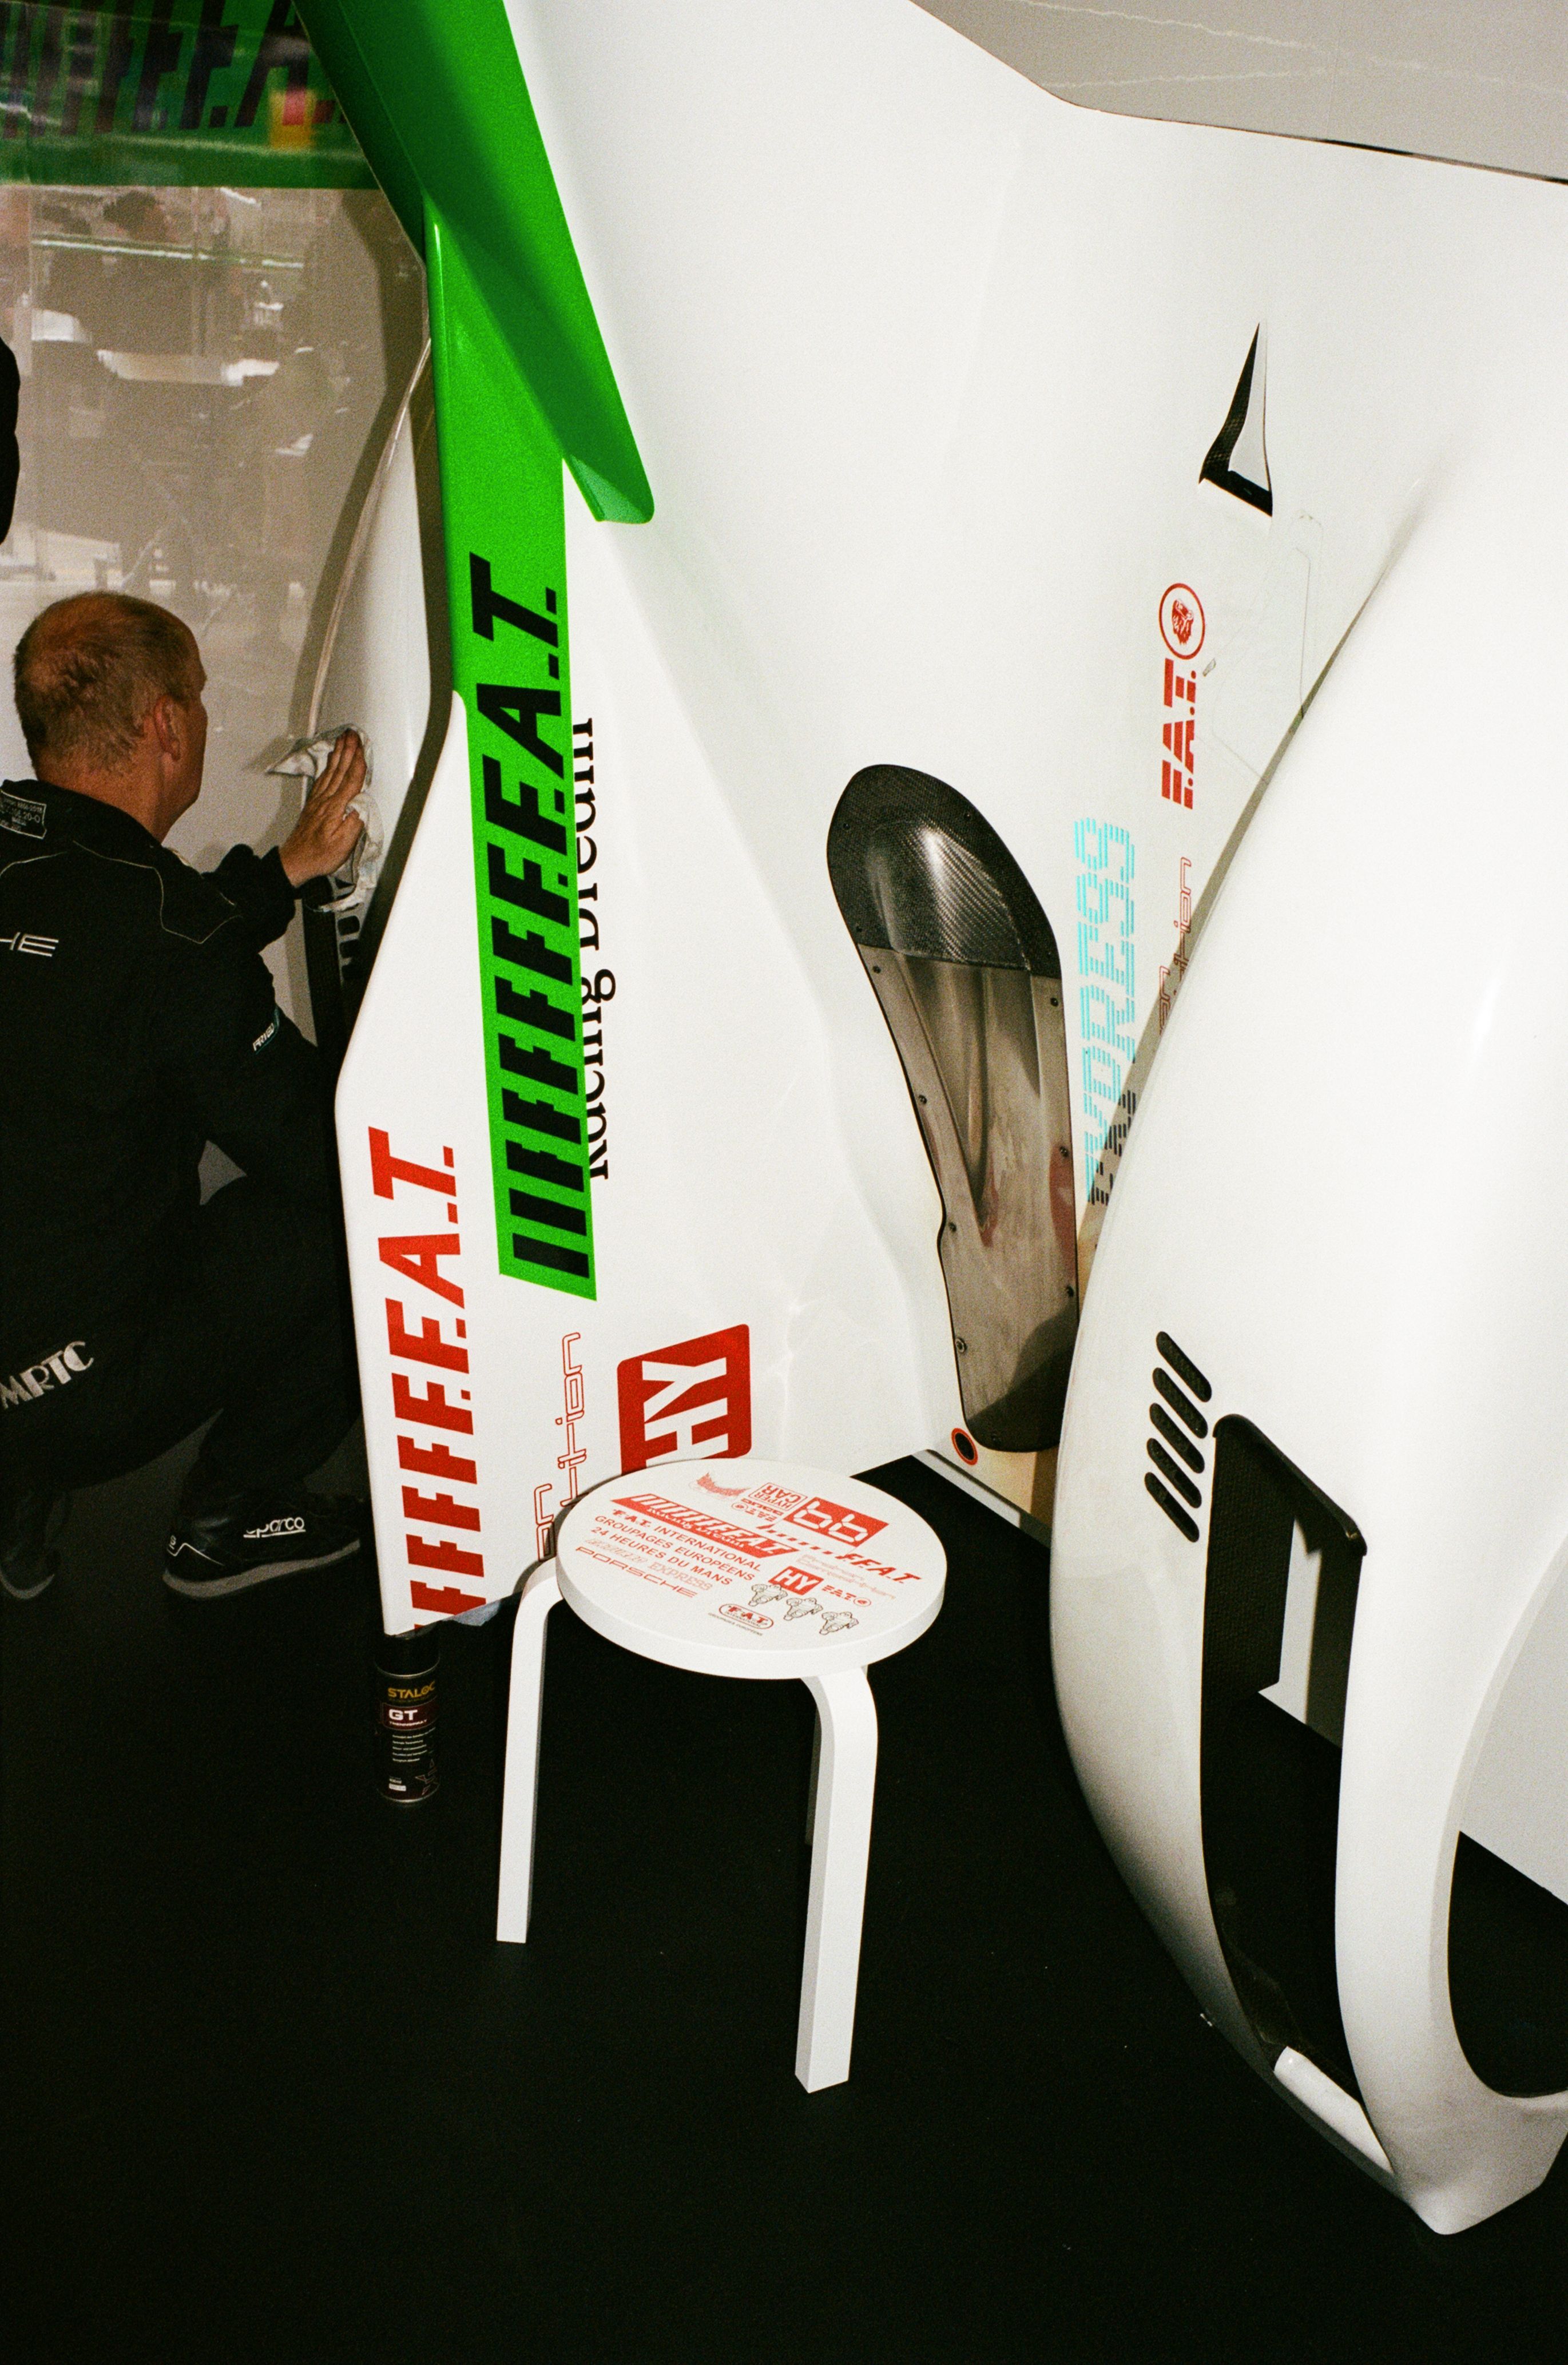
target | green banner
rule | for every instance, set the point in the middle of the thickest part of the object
(503, 502)
(523, 386)
(169, 94)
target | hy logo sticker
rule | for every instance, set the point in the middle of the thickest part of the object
(692, 1400)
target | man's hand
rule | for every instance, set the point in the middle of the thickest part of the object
(323, 837)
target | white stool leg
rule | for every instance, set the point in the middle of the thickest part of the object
(520, 1778)
(841, 1843)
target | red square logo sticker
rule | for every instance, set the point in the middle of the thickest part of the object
(691, 1399)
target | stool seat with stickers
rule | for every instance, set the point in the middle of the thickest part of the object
(766, 1569)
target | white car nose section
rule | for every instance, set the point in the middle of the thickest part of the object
(1316, 1694)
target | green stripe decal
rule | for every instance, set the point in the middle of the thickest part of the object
(523, 386)
(503, 498)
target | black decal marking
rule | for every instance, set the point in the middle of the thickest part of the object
(534, 1210)
(538, 1116)
(523, 818)
(533, 1010)
(487, 604)
(49, 63)
(214, 51)
(529, 892)
(1237, 462)
(544, 1166)
(117, 65)
(538, 1067)
(81, 75)
(159, 57)
(530, 952)
(283, 44)
(517, 713)
(528, 1250)
(16, 110)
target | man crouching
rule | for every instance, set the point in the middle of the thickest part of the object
(137, 1023)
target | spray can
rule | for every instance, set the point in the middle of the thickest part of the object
(406, 1716)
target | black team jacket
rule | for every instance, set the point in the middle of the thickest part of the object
(137, 1023)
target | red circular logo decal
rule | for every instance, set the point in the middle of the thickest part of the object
(1182, 620)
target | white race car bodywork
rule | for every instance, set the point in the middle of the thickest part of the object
(925, 366)
(1340, 1202)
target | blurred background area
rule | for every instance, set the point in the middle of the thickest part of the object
(210, 379)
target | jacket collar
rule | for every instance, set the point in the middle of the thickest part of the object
(86, 818)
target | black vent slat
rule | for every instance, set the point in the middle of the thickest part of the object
(1182, 1406)
(1172, 1509)
(1179, 1479)
(1175, 1440)
(1183, 1366)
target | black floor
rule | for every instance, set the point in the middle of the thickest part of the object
(274, 2092)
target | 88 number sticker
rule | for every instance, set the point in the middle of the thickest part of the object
(835, 1522)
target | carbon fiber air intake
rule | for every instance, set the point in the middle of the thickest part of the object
(962, 960)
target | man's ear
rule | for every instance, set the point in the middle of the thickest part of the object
(168, 728)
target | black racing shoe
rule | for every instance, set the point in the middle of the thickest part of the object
(29, 1533)
(224, 1551)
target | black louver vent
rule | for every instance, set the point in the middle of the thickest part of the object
(1270, 1767)
(1173, 1450)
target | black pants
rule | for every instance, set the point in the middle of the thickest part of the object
(249, 1320)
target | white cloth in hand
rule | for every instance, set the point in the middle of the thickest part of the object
(307, 759)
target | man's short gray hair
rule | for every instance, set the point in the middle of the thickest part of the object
(89, 672)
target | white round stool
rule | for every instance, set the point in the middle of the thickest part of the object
(761, 1569)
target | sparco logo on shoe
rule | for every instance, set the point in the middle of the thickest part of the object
(54, 1371)
(275, 1528)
